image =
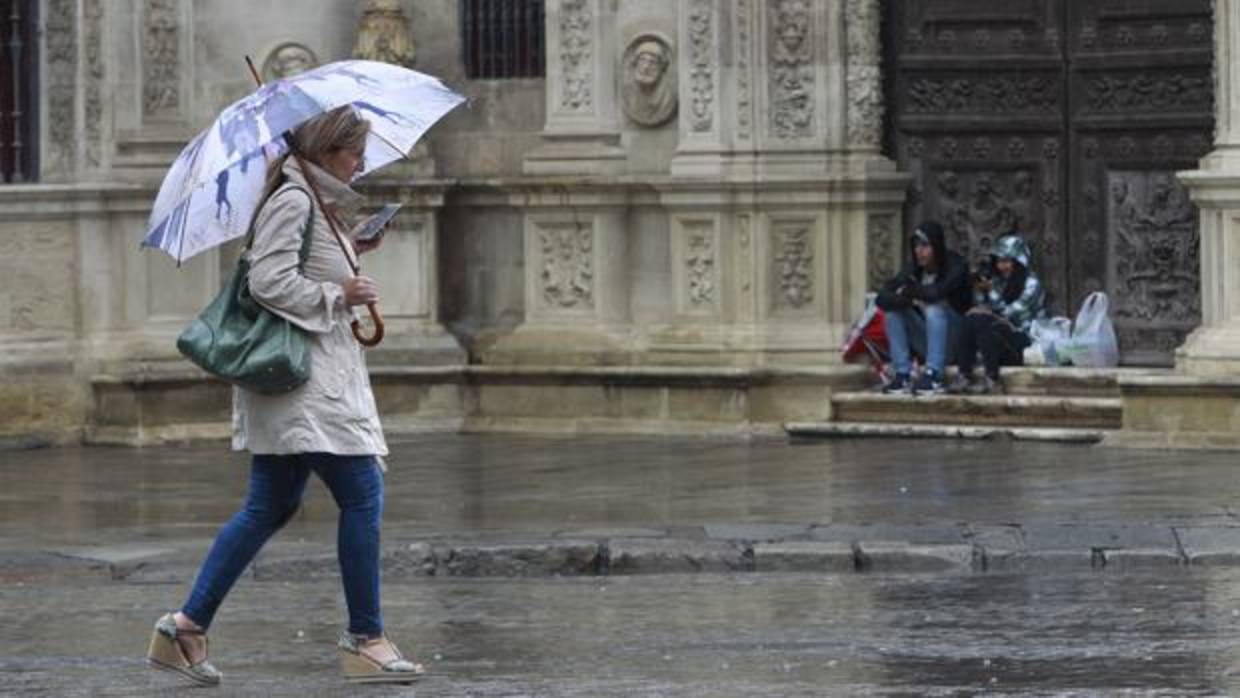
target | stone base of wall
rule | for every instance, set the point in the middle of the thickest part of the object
(44, 404)
(160, 406)
(1179, 411)
(651, 400)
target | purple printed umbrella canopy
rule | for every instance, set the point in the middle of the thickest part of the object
(209, 195)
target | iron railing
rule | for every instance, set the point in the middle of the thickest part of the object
(502, 38)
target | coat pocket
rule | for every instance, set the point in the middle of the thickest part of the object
(329, 378)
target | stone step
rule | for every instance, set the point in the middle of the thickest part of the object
(1069, 381)
(979, 411)
(849, 430)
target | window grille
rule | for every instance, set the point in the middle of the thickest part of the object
(18, 90)
(502, 38)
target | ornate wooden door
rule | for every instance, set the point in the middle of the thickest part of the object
(1066, 120)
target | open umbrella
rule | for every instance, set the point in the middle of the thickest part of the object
(212, 189)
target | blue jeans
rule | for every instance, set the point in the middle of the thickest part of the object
(276, 486)
(932, 333)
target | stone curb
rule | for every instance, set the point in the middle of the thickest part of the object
(733, 548)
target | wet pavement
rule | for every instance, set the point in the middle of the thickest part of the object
(94, 543)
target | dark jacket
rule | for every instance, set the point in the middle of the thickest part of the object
(951, 281)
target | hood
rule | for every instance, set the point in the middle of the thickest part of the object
(933, 232)
(1015, 248)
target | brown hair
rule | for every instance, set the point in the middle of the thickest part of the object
(338, 129)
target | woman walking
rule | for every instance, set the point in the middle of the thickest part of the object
(329, 426)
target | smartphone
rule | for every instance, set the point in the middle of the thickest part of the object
(373, 230)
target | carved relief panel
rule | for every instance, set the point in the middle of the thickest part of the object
(162, 63)
(562, 267)
(794, 85)
(696, 259)
(792, 255)
(567, 266)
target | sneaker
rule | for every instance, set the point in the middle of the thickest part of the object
(901, 384)
(930, 383)
(960, 384)
(981, 385)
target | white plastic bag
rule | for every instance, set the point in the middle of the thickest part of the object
(1033, 355)
(1047, 334)
(1093, 337)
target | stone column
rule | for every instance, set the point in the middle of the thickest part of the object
(1214, 348)
(582, 130)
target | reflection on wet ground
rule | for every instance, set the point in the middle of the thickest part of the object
(1104, 633)
(514, 484)
(670, 635)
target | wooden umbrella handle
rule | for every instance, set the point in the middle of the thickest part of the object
(377, 337)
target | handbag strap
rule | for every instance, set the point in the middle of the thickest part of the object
(306, 237)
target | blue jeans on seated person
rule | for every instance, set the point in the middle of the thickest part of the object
(276, 485)
(931, 332)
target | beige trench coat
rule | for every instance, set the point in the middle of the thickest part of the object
(335, 411)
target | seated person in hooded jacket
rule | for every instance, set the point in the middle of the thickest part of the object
(924, 307)
(1008, 298)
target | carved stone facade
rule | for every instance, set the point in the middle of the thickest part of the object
(864, 77)
(94, 74)
(793, 265)
(882, 248)
(161, 59)
(702, 62)
(567, 264)
(286, 59)
(649, 89)
(62, 66)
(700, 267)
(384, 34)
(582, 130)
(576, 52)
(756, 256)
(696, 266)
(790, 61)
(744, 23)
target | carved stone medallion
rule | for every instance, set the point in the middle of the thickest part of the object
(649, 89)
(286, 59)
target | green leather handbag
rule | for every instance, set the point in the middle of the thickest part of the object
(237, 339)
